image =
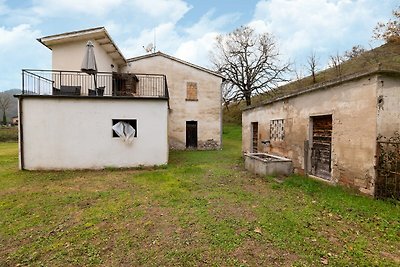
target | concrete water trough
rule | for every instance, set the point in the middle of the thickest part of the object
(267, 164)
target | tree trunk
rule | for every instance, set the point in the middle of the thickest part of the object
(4, 118)
(248, 99)
(227, 107)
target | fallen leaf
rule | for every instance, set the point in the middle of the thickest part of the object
(324, 261)
(257, 230)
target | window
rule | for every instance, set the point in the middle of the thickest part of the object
(254, 144)
(277, 130)
(191, 91)
(131, 122)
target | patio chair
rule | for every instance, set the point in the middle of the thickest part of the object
(70, 90)
(100, 91)
(56, 91)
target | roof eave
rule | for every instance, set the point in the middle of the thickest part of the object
(327, 84)
(50, 40)
(177, 60)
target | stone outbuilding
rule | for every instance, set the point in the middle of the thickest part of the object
(330, 129)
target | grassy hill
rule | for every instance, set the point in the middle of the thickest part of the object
(385, 57)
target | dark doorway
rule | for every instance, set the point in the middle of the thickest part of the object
(191, 134)
(254, 129)
(321, 146)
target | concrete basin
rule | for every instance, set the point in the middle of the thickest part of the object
(267, 164)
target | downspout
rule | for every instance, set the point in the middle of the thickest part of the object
(21, 133)
(20, 125)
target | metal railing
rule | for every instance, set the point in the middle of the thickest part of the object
(61, 82)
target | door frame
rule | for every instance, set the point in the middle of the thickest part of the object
(310, 146)
(252, 148)
(196, 124)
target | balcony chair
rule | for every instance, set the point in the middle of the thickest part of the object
(70, 90)
(100, 91)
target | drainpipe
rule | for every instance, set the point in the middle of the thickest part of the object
(21, 133)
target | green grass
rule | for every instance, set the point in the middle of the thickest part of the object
(9, 134)
(201, 209)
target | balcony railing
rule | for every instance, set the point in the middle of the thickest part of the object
(76, 83)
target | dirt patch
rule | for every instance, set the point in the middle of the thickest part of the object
(255, 253)
(221, 210)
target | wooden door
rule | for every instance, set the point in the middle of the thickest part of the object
(321, 146)
(191, 134)
(254, 145)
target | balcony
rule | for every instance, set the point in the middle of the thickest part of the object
(101, 84)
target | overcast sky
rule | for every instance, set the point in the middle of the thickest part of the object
(185, 29)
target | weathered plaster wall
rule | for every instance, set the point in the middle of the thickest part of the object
(69, 56)
(388, 103)
(206, 111)
(73, 133)
(353, 108)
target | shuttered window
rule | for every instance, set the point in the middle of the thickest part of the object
(191, 91)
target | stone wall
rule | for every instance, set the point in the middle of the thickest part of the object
(353, 106)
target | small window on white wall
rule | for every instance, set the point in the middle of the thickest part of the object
(277, 130)
(131, 122)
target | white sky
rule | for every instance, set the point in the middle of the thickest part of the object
(186, 29)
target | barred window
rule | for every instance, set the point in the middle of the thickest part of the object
(277, 130)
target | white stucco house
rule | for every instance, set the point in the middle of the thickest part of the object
(71, 119)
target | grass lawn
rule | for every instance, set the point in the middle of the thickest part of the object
(201, 209)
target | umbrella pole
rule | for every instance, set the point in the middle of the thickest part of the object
(95, 83)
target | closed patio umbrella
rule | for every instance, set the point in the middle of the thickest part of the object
(89, 65)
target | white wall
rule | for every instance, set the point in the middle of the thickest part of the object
(75, 133)
(206, 111)
(69, 56)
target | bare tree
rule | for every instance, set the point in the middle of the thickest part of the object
(354, 52)
(312, 63)
(298, 74)
(249, 63)
(389, 31)
(228, 95)
(5, 100)
(335, 62)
